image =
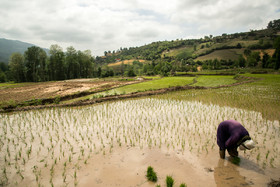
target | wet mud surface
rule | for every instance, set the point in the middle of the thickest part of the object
(127, 167)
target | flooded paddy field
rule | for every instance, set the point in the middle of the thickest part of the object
(113, 143)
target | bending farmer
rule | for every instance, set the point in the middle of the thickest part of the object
(230, 135)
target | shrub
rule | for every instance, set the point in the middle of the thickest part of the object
(183, 185)
(57, 100)
(38, 102)
(169, 181)
(151, 174)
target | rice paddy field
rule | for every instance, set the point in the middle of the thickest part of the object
(113, 143)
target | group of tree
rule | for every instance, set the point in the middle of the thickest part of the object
(3, 70)
(36, 66)
(168, 66)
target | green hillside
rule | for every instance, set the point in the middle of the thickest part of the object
(254, 49)
(7, 47)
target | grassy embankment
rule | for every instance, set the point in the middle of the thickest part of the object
(213, 81)
(14, 85)
(154, 84)
(166, 82)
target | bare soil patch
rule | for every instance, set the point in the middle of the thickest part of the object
(57, 89)
(126, 62)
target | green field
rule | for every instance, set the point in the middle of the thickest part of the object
(166, 82)
(212, 80)
(225, 54)
(244, 43)
(175, 52)
(154, 84)
(262, 96)
(13, 85)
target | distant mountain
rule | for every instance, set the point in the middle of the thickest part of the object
(7, 47)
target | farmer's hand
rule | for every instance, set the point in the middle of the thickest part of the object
(233, 152)
(222, 154)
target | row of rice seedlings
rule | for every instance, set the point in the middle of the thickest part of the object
(55, 140)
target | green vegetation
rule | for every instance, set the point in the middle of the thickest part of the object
(155, 84)
(169, 181)
(262, 95)
(212, 80)
(225, 54)
(13, 85)
(7, 47)
(166, 82)
(184, 52)
(151, 174)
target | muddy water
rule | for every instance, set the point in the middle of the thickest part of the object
(128, 168)
(113, 144)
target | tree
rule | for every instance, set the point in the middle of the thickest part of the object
(42, 69)
(99, 71)
(72, 65)
(265, 60)
(16, 64)
(253, 59)
(238, 46)
(86, 65)
(241, 61)
(3, 77)
(3, 67)
(3, 72)
(35, 63)
(131, 73)
(56, 65)
(247, 52)
(275, 24)
(276, 55)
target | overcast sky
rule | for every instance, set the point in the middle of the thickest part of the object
(102, 25)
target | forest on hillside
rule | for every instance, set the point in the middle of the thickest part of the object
(159, 58)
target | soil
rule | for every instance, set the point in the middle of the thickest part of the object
(58, 88)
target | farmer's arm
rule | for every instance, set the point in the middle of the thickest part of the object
(232, 141)
(221, 144)
(221, 139)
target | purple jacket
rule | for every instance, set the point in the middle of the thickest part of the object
(230, 133)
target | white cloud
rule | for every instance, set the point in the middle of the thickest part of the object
(101, 25)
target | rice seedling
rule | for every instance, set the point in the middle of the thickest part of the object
(151, 174)
(169, 181)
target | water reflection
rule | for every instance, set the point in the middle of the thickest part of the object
(227, 174)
